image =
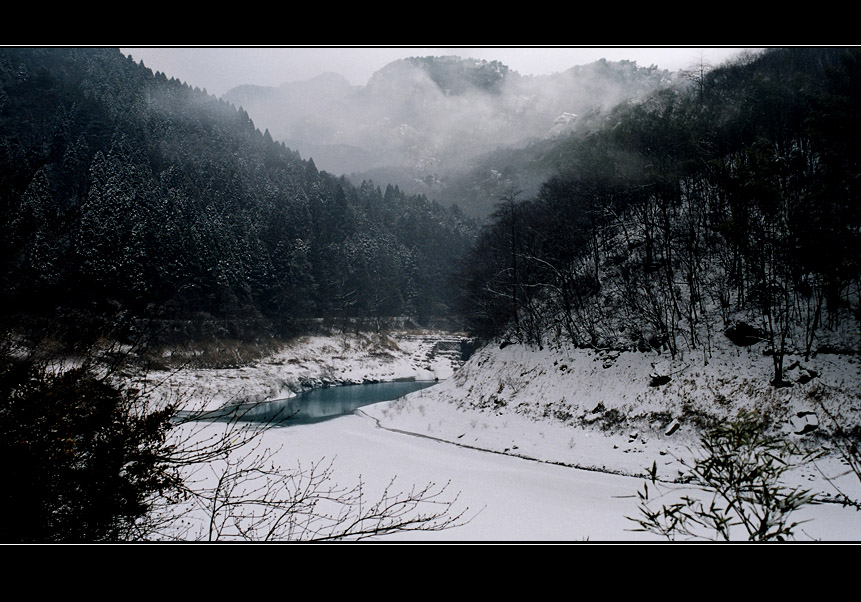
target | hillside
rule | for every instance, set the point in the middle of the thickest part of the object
(137, 199)
(697, 259)
(602, 411)
(689, 218)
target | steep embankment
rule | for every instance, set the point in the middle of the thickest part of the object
(621, 411)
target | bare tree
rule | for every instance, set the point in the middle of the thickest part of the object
(697, 72)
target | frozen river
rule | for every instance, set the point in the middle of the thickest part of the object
(508, 498)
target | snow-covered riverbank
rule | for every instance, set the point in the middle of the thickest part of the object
(603, 412)
(561, 436)
(319, 361)
(504, 498)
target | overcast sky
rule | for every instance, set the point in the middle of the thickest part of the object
(218, 69)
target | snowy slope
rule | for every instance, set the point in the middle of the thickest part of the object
(596, 411)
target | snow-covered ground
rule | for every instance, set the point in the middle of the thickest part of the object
(504, 498)
(548, 444)
(597, 411)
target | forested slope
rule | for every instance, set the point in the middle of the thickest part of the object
(725, 210)
(125, 193)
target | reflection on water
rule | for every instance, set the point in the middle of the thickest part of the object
(320, 404)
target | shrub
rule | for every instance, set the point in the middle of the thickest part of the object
(81, 461)
(739, 473)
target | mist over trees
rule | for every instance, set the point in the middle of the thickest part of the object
(729, 208)
(423, 123)
(124, 192)
(633, 211)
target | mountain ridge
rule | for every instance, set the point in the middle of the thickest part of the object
(423, 119)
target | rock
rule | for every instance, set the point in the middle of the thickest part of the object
(804, 422)
(658, 379)
(743, 334)
(805, 375)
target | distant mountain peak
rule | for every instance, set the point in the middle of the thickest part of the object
(455, 75)
(329, 83)
(452, 75)
(330, 76)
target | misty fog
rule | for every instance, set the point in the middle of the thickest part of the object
(423, 119)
